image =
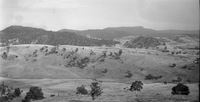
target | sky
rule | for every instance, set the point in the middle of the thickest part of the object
(98, 14)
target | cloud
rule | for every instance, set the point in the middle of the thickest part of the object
(170, 11)
(87, 14)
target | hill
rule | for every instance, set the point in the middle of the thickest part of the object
(29, 35)
(111, 33)
(72, 62)
(143, 42)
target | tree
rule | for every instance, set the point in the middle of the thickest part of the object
(120, 52)
(180, 89)
(96, 90)
(17, 92)
(35, 53)
(4, 55)
(35, 93)
(136, 86)
(81, 90)
(64, 49)
(76, 50)
(105, 71)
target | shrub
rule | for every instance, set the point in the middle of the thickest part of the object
(96, 90)
(64, 49)
(105, 71)
(81, 90)
(76, 50)
(4, 55)
(151, 77)
(120, 52)
(173, 65)
(52, 95)
(35, 93)
(184, 67)
(136, 86)
(179, 79)
(180, 89)
(35, 53)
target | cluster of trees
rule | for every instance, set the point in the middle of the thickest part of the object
(116, 55)
(151, 77)
(35, 93)
(143, 42)
(53, 50)
(96, 90)
(77, 62)
(8, 93)
(186, 67)
(179, 52)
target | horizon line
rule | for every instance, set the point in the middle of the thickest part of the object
(99, 28)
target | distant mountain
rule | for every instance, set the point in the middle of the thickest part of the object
(28, 35)
(119, 32)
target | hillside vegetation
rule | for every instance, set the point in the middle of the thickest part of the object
(112, 33)
(28, 35)
(143, 42)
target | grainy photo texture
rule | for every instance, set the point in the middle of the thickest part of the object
(99, 51)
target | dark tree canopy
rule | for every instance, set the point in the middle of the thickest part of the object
(96, 90)
(180, 89)
(136, 86)
(35, 93)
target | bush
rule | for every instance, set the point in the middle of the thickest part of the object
(151, 77)
(35, 93)
(180, 89)
(179, 79)
(120, 52)
(81, 90)
(105, 71)
(96, 90)
(173, 65)
(136, 86)
(4, 55)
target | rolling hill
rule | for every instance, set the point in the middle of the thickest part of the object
(111, 33)
(29, 35)
(143, 42)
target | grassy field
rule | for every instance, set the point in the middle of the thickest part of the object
(51, 72)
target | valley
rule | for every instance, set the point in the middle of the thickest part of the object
(159, 62)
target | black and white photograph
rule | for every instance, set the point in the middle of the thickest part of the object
(99, 50)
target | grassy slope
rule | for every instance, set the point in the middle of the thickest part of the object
(50, 73)
(134, 60)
